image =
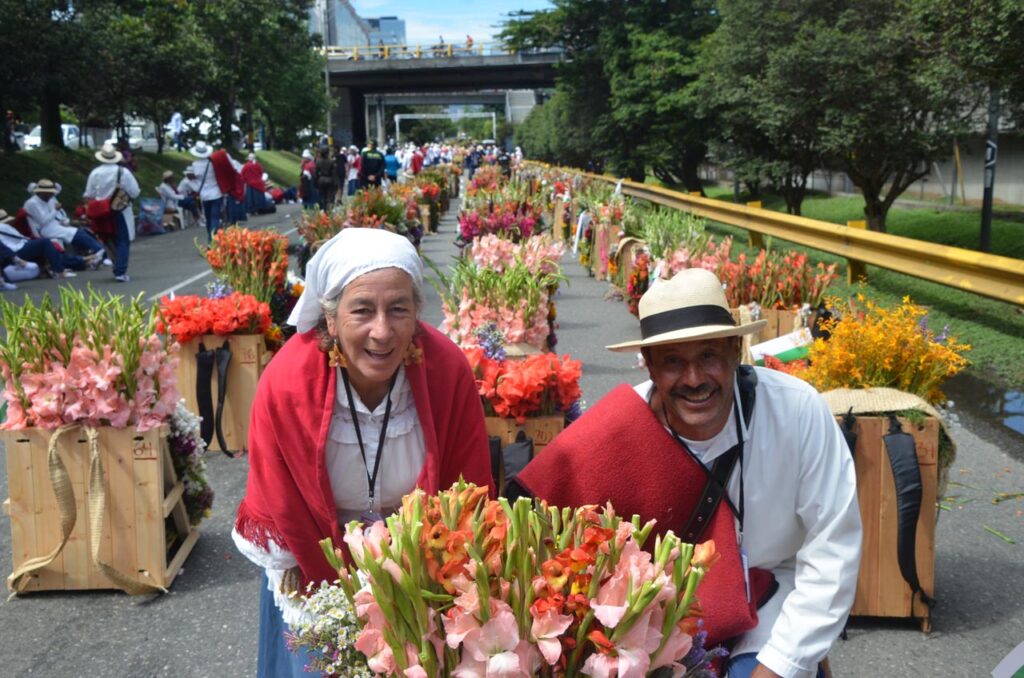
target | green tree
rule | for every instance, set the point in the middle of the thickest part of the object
(625, 79)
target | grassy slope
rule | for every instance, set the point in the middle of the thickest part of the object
(70, 168)
(995, 329)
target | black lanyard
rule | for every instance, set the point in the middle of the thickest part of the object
(737, 449)
(371, 479)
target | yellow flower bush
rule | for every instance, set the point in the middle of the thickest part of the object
(885, 347)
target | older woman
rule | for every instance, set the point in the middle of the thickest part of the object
(364, 404)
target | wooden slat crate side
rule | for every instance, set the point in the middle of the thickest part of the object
(150, 534)
(248, 358)
(541, 429)
(48, 529)
(22, 497)
(881, 590)
(121, 525)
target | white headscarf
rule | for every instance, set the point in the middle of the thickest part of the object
(345, 257)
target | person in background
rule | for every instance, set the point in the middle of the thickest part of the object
(176, 125)
(307, 183)
(340, 165)
(188, 188)
(47, 220)
(20, 252)
(100, 185)
(352, 169)
(371, 165)
(326, 173)
(391, 164)
(416, 161)
(127, 158)
(371, 371)
(168, 193)
(209, 191)
(252, 175)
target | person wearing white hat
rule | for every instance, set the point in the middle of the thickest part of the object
(102, 183)
(705, 429)
(376, 403)
(46, 219)
(22, 253)
(209, 190)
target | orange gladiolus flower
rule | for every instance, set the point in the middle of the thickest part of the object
(705, 555)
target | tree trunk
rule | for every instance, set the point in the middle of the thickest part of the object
(8, 140)
(226, 110)
(270, 142)
(693, 155)
(875, 211)
(49, 116)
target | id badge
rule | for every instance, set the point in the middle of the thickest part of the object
(746, 571)
(369, 517)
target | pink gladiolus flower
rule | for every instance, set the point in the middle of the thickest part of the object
(546, 629)
(610, 605)
(495, 643)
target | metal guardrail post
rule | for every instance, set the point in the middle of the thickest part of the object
(355, 53)
(755, 239)
(856, 271)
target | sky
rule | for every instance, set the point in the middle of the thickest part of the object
(426, 20)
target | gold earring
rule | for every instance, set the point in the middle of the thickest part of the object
(335, 357)
(413, 354)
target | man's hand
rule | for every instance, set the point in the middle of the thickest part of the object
(763, 671)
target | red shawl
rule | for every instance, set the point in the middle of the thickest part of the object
(252, 175)
(619, 451)
(228, 179)
(288, 496)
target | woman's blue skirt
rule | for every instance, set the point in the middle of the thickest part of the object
(275, 660)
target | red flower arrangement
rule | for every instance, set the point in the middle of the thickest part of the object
(537, 386)
(639, 281)
(192, 316)
(254, 262)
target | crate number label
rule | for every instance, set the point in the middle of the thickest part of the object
(143, 449)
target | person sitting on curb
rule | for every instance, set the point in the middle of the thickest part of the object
(23, 250)
(748, 457)
(46, 219)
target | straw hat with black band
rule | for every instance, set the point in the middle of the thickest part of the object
(45, 186)
(689, 307)
(108, 155)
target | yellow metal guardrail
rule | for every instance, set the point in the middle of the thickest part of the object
(437, 51)
(989, 275)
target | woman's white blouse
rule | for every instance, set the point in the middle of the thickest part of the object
(404, 455)
(404, 452)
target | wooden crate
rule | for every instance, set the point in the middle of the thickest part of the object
(541, 429)
(249, 356)
(881, 590)
(145, 535)
(781, 321)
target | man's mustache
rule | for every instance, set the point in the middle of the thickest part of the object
(690, 393)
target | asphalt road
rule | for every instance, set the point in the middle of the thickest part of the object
(206, 624)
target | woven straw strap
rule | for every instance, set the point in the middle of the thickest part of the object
(60, 481)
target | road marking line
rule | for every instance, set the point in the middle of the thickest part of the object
(198, 276)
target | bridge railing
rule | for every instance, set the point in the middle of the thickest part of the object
(989, 275)
(435, 51)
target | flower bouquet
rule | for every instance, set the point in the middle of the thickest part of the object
(537, 386)
(190, 316)
(512, 220)
(540, 254)
(373, 208)
(187, 447)
(459, 585)
(315, 224)
(486, 179)
(251, 262)
(515, 299)
(875, 346)
(92, 359)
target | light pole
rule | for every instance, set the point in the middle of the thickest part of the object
(327, 68)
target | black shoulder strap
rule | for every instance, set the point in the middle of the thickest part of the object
(721, 470)
(906, 475)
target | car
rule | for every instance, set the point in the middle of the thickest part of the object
(72, 136)
(139, 139)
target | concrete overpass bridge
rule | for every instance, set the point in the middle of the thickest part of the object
(364, 81)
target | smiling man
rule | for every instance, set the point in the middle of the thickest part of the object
(713, 450)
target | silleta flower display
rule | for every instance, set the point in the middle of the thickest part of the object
(459, 585)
